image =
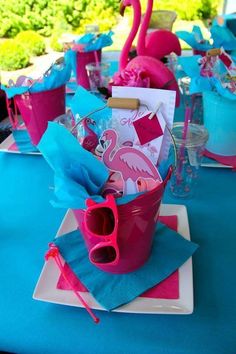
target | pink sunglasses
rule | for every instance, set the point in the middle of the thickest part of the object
(101, 225)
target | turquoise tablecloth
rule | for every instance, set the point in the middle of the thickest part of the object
(28, 222)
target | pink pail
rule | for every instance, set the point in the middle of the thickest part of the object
(82, 59)
(136, 228)
(38, 108)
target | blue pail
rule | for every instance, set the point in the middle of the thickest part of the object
(220, 120)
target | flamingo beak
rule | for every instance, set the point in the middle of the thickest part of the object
(122, 8)
(102, 142)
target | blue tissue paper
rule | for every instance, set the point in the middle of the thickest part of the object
(195, 39)
(57, 77)
(78, 174)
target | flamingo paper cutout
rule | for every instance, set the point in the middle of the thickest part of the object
(159, 43)
(90, 141)
(160, 76)
(131, 163)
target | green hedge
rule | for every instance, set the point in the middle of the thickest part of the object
(44, 15)
(32, 42)
(13, 55)
(54, 43)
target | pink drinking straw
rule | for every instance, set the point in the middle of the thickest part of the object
(96, 57)
(54, 253)
(187, 119)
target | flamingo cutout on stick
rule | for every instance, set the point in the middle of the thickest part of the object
(131, 163)
(90, 141)
(159, 75)
(156, 44)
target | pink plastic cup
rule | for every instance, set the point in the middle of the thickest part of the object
(82, 59)
(136, 229)
(38, 108)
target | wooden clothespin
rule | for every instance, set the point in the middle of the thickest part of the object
(159, 104)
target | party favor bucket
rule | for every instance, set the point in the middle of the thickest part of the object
(219, 115)
(38, 108)
(82, 59)
(136, 224)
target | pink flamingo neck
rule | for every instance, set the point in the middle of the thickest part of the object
(134, 29)
(88, 129)
(107, 153)
(143, 29)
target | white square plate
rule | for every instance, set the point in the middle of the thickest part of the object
(206, 162)
(8, 142)
(46, 288)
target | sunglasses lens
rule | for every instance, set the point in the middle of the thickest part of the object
(106, 254)
(100, 221)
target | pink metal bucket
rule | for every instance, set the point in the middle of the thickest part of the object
(38, 108)
(136, 228)
(82, 59)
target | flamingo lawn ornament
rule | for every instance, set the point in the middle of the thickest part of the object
(159, 43)
(159, 75)
(90, 141)
(131, 163)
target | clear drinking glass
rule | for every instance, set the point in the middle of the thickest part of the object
(98, 74)
(189, 155)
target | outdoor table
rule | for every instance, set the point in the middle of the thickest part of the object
(28, 223)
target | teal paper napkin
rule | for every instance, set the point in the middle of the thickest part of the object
(170, 250)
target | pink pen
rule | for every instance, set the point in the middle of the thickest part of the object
(54, 253)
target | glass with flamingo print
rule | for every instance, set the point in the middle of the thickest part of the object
(67, 120)
(189, 154)
(98, 74)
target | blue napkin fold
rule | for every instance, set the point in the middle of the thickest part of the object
(78, 174)
(56, 78)
(95, 42)
(83, 102)
(170, 250)
(92, 42)
(22, 140)
(199, 83)
(223, 37)
(193, 39)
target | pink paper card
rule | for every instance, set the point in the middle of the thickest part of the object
(148, 129)
(123, 120)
